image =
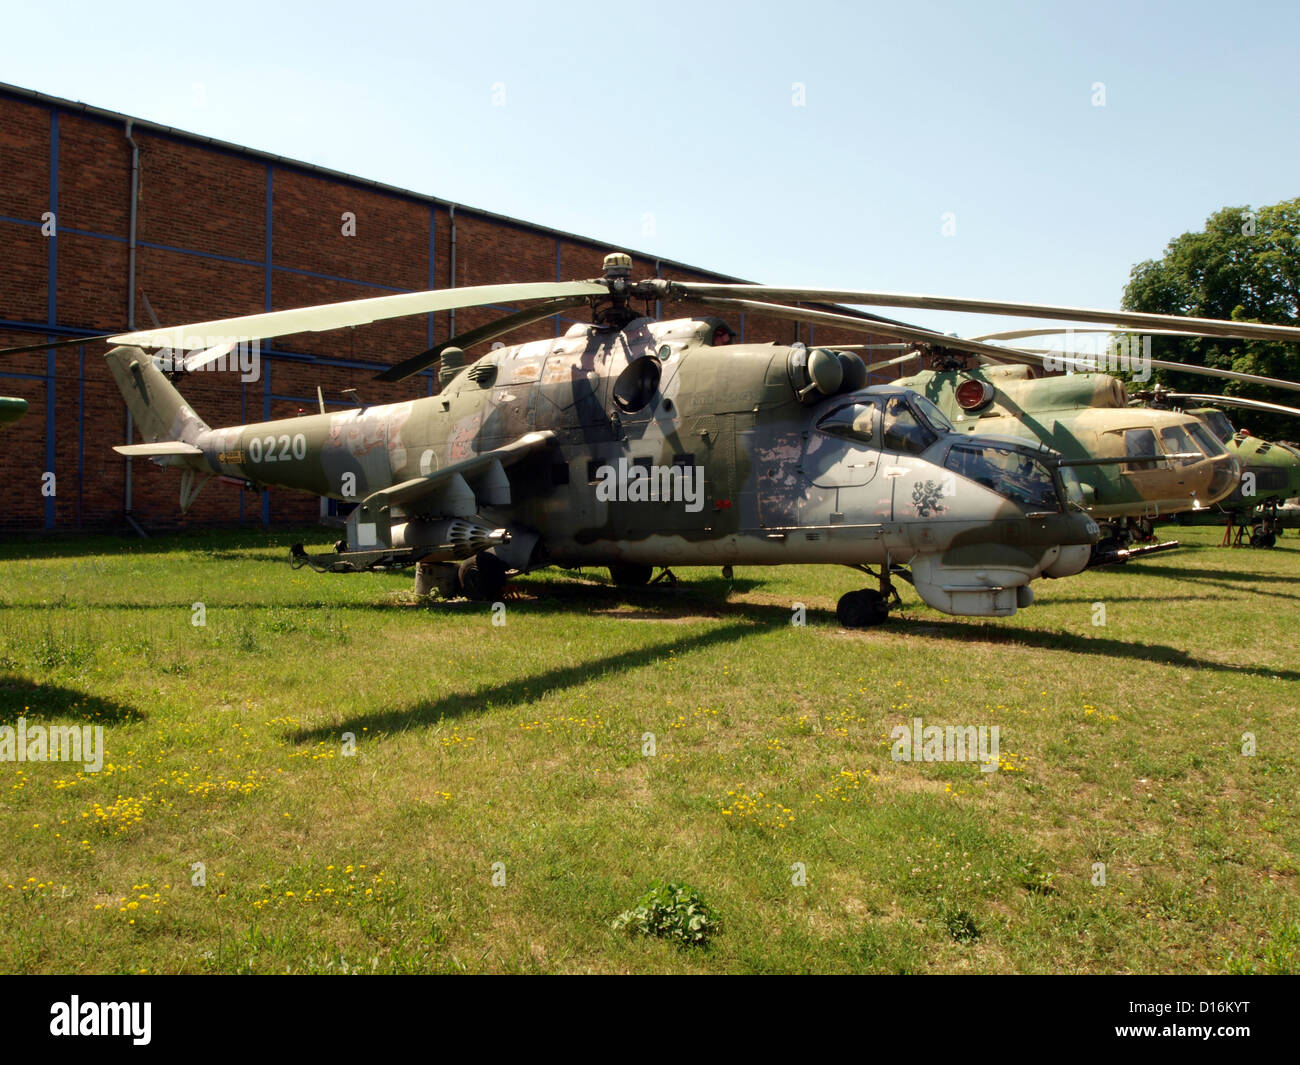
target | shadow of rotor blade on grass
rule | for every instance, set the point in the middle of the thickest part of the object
(524, 690)
(1072, 643)
(1046, 598)
(1242, 589)
(217, 543)
(1196, 572)
(669, 602)
(23, 697)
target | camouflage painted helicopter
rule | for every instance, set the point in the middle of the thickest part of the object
(633, 444)
(1154, 422)
(1129, 464)
(1270, 469)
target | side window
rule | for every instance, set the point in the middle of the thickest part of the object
(1140, 444)
(1177, 442)
(903, 431)
(856, 422)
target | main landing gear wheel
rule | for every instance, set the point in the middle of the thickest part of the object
(630, 574)
(482, 578)
(861, 609)
(1261, 537)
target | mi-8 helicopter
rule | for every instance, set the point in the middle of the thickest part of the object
(1270, 469)
(632, 444)
(1183, 447)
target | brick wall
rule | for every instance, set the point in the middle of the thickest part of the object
(204, 252)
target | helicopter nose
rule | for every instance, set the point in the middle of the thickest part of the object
(1225, 478)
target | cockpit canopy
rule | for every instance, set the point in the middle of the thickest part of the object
(906, 422)
(899, 421)
(1007, 470)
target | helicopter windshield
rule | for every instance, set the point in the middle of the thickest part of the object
(1179, 446)
(1219, 424)
(932, 414)
(1011, 473)
(1208, 441)
(903, 430)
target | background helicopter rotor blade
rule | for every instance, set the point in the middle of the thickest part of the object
(1139, 319)
(470, 337)
(1021, 334)
(1234, 401)
(907, 332)
(328, 316)
(1078, 360)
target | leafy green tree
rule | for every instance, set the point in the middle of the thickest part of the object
(1245, 265)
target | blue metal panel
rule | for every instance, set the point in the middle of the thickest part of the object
(433, 226)
(270, 199)
(81, 427)
(52, 311)
(266, 362)
(559, 275)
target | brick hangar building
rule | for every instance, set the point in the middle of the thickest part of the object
(107, 221)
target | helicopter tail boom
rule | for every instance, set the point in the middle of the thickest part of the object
(158, 409)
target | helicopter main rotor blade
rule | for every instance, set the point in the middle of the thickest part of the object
(328, 316)
(905, 357)
(871, 347)
(55, 344)
(470, 337)
(1021, 334)
(1087, 362)
(907, 332)
(1139, 319)
(1235, 401)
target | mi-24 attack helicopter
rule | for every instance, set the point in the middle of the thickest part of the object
(631, 444)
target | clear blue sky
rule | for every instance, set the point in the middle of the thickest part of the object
(616, 115)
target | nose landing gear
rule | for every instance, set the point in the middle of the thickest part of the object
(861, 609)
(866, 607)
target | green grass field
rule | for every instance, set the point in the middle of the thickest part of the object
(500, 810)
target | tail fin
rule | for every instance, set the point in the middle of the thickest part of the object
(160, 412)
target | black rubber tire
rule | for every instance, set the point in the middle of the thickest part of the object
(482, 578)
(630, 574)
(861, 609)
(1260, 538)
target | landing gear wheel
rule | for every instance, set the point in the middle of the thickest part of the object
(482, 578)
(630, 574)
(1260, 538)
(1143, 531)
(861, 609)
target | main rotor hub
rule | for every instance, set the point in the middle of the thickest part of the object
(618, 266)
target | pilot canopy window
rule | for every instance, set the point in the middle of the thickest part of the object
(1208, 441)
(1141, 444)
(856, 422)
(903, 430)
(1177, 442)
(1006, 471)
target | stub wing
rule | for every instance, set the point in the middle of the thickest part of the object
(416, 512)
(160, 449)
(463, 488)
